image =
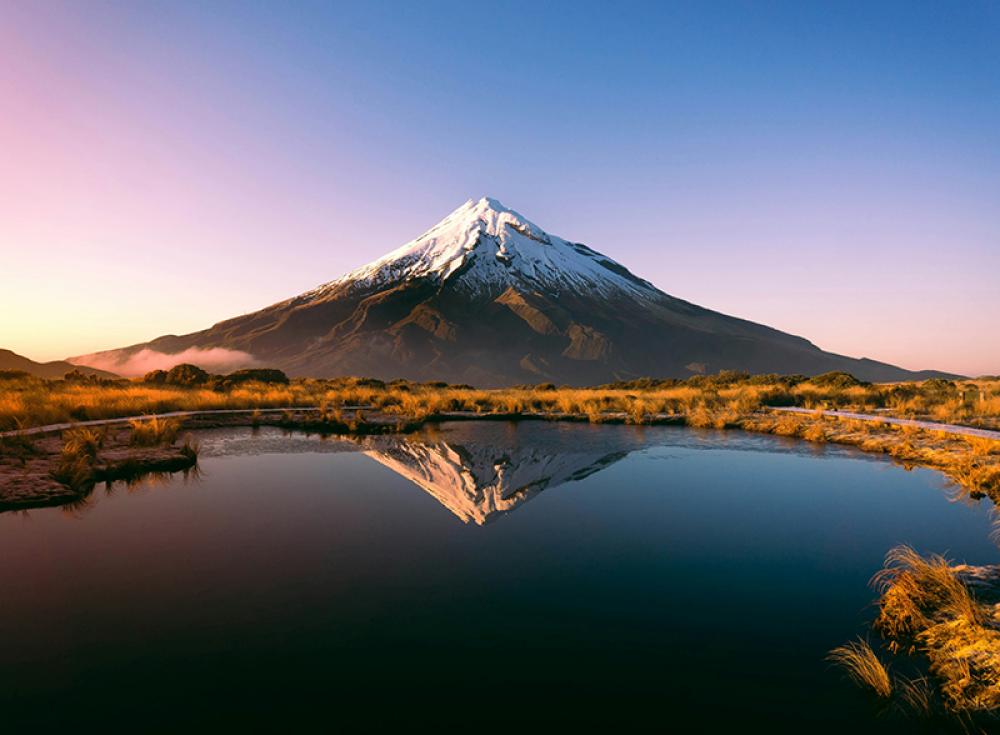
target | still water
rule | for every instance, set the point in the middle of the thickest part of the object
(472, 576)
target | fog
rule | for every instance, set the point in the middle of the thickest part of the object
(213, 359)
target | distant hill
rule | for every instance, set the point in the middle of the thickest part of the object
(50, 370)
(489, 298)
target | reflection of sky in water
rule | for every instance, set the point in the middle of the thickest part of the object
(266, 440)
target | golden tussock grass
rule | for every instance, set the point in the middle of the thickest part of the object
(916, 694)
(37, 402)
(925, 607)
(154, 431)
(723, 401)
(982, 446)
(75, 467)
(861, 664)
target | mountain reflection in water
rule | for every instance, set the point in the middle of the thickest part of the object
(481, 476)
(482, 470)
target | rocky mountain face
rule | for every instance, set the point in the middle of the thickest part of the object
(489, 298)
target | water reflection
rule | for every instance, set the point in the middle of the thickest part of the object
(76, 503)
(308, 569)
(483, 475)
(483, 470)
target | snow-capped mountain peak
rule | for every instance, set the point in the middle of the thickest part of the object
(484, 246)
(487, 297)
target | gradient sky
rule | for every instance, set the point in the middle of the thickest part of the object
(830, 169)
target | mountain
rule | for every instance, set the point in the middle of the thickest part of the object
(489, 298)
(51, 370)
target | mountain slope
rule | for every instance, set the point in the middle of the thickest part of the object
(50, 370)
(487, 297)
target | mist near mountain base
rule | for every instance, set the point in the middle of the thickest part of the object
(213, 359)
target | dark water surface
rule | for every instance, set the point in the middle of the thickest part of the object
(473, 576)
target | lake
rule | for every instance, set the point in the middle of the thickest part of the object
(472, 575)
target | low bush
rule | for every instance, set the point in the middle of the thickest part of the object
(187, 375)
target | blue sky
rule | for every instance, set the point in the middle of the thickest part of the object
(831, 169)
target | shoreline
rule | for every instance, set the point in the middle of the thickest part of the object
(440, 417)
(968, 457)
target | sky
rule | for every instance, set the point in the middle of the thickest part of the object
(829, 169)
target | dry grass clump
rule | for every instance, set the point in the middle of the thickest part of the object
(83, 442)
(815, 431)
(926, 608)
(863, 667)
(916, 694)
(915, 589)
(75, 468)
(154, 431)
(974, 474)
(981, 446)
(701, 417)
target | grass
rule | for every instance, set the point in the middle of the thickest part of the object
(334, 420)
(926, 609)
(711, 401)
(863, 667)
(154, 431)
(916, 590)
(727, 400)
(959, 459)
(79, 466)
(916, 695)
(931, 619)
(78, 459)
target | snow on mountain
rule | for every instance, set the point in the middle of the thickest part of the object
(492, 248)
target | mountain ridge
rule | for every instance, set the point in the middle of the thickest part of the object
(488, 297)
(10, 360)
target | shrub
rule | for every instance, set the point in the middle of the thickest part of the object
(939, 385)
(187, 375)
(252, 375)
(14, 375)
(836, 379)
(155, 377)
(78, 376)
